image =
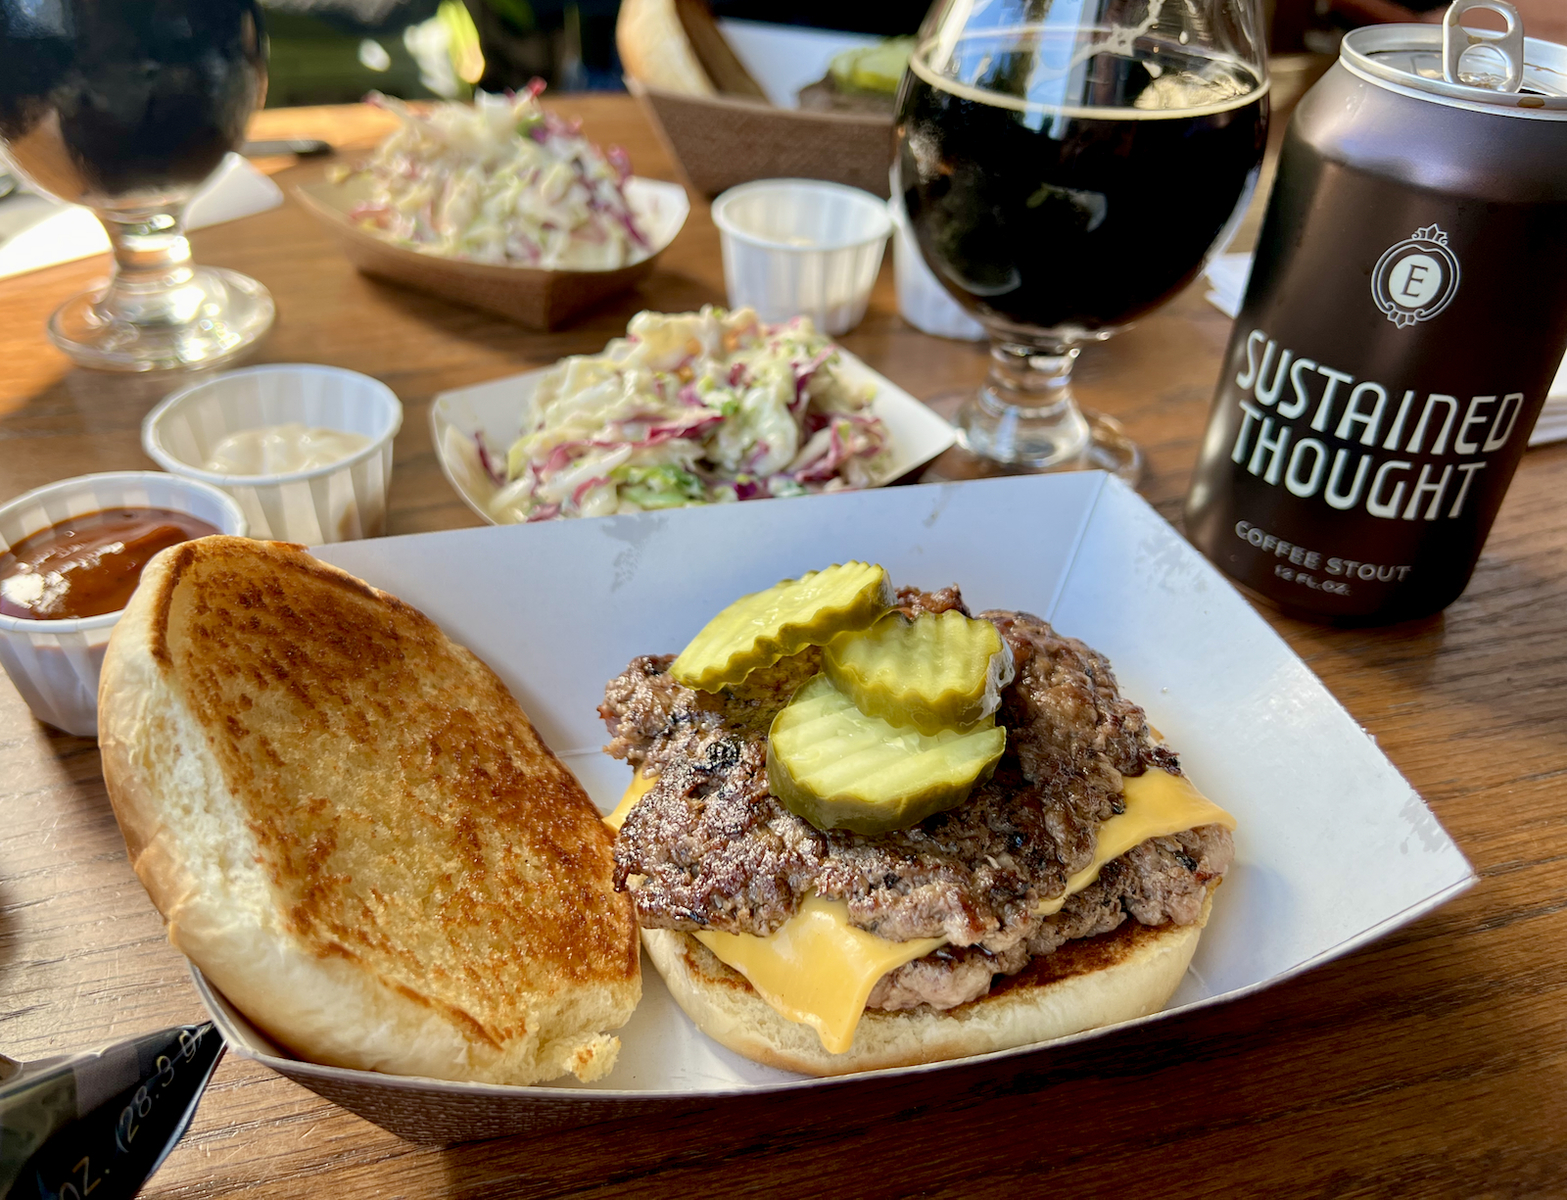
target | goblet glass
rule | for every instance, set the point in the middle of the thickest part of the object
(1067, 166)
(127, 106)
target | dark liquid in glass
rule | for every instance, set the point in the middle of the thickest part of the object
(100, 98)
(1083, 217)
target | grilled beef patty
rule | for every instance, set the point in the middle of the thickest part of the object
(708, 847)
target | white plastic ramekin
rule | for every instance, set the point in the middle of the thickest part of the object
(55, 664)
(922, 301)
(802, 247)
(339, 502)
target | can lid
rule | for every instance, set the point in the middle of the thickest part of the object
(1503, 73)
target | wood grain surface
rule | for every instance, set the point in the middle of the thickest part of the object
(1432, 1063)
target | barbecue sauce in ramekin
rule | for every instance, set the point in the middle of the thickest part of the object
(88, 565)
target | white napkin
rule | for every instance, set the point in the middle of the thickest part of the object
(36, 231)
(1227, 275)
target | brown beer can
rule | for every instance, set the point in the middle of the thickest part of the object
(1406, 314)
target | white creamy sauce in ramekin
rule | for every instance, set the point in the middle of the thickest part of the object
(280, 449)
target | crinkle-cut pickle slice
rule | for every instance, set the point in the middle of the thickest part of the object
(759, 629)
(937, 671)
(840, 769)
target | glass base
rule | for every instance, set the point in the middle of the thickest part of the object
(232, 313)
(1104, 446)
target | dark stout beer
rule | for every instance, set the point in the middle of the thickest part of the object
(1082, 214)
(1405, 316)
(110, 98)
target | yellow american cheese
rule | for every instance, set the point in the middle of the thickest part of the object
(1157, 805)
(819, 970)
(639, 786)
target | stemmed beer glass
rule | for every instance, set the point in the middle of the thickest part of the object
(127, 106)
(1067, 166)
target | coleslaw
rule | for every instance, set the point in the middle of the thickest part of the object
(690, 408)
(500, 181)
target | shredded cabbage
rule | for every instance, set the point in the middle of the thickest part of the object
(690, 408)
(500, 181)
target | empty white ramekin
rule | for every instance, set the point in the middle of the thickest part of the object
(55, 664)
(922, 301)
(339, 502)
(802, 247)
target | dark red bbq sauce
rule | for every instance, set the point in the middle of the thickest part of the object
(88, 565)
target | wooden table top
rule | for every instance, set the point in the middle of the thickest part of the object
(1431, 1063)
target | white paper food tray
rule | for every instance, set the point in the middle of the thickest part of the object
(1333, 849)
(499, 409)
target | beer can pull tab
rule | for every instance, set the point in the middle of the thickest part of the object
(1483, 57)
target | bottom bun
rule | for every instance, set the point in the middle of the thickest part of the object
(1115, 977)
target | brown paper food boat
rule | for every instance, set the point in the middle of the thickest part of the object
(531, 296)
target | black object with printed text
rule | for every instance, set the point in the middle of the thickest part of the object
(1406, 314)
(99, 1124)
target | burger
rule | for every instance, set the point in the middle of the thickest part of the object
(868, 829)
(862, 79)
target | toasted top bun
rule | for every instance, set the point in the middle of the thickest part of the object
(352, 828)
(1118, 976)
(654, 48)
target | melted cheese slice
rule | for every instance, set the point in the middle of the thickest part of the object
(639, 786)
(1157, 805)
(817, 969)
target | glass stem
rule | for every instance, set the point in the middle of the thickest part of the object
(1025, 412)
(1039, 384)
(153, 282)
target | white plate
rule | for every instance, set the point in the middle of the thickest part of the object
(1333, 850)
(498, 410)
